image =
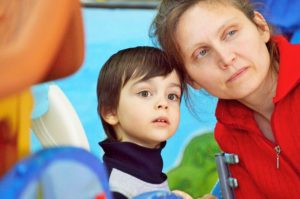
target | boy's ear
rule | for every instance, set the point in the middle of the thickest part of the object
(109, 116)
(262, 25)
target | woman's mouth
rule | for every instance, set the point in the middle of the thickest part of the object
(237, 74)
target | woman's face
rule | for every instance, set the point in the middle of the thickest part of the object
(223, 51)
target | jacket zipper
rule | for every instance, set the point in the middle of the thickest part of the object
(277, 150)
(277, 147)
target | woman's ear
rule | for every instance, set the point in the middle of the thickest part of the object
(263, 26)
(193, 84)
(109, 116)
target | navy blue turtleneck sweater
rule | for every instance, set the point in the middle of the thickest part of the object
(133, 169)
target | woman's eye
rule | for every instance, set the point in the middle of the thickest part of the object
(173, 97)
(201, 53)
(144, 94)
(231, 33)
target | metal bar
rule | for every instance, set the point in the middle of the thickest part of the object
(121, 4)
(226, 181)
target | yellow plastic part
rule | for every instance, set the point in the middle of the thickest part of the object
(39, 41)
(14, 128)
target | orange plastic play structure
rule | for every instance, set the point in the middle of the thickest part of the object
(39, 41)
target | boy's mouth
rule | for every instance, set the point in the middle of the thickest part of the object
(161, 120)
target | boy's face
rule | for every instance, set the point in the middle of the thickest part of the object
(148, 111)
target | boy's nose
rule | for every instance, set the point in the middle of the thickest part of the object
(162, 104)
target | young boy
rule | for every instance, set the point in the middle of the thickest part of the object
(139, 96)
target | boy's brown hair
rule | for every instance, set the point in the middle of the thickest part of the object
(142, 62)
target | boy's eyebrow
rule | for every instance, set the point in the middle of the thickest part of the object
(141, 80)
(149, 80)
(175, 85)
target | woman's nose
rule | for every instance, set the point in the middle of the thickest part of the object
(226, 58)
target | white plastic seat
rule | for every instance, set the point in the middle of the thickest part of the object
(54, 120)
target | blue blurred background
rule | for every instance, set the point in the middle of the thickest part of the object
(106, 32)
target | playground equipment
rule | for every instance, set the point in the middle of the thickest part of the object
(224, 189)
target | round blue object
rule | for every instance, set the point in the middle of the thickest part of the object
(61, 172)
(157, 195)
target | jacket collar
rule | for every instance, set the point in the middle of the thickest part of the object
(235, 115)
(289, 68)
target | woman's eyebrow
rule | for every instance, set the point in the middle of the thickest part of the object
(224, 25)
(219, 31)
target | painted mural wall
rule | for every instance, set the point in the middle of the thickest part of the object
(189, 154)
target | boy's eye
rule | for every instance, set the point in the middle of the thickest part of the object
(144, 94)
(173, 97)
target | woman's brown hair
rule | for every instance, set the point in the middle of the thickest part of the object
(163, 27)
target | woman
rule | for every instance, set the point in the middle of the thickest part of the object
(227, 48)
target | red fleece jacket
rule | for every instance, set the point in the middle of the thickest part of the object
(237, 132)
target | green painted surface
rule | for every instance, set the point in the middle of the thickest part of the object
(196, 173)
